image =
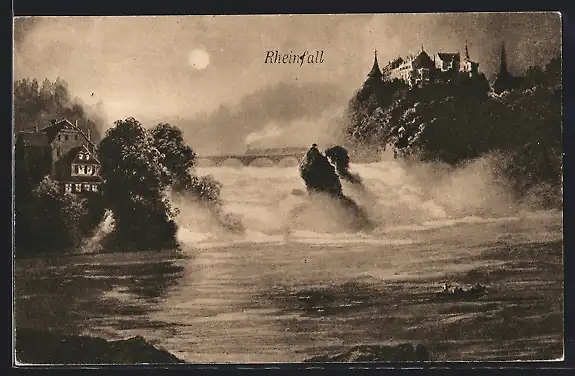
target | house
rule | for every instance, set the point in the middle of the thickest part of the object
(413, 69)
(78, 170)
(62, 151)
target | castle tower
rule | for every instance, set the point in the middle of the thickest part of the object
(503, 63)
(504, 79)
(375, 72)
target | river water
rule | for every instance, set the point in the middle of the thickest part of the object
(295, 286)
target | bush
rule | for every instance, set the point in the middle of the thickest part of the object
(53, 222)
(176, 156)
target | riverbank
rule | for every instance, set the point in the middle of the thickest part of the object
(34, 347)
(37, 347)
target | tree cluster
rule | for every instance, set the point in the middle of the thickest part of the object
(140, 167)
(36, 105)
(48, 221)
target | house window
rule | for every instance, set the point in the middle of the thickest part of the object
(87, 187)
(89, 170)
(68, 188)
(78, 187)
(82, 170)
(76, 170)
(65, 137)
(81, 156)
(87, 156)
(57, 152)
(94, 188)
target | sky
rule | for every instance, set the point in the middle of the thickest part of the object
(141, 67)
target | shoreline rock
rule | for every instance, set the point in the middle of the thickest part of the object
(405, 352)
(40, 347)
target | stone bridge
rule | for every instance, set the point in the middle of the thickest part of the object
(289, 156)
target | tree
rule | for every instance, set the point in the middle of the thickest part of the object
(176, 156)
(553, 73)
(134, 183)
(51, 221)
(36, 105)
(178, 160)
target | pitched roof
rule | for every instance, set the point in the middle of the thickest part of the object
(375, 72)
(52, 130)
(422, 60)
(394, 64)
(83, 149)
(448, 56)
(33, 138)
(71, 156)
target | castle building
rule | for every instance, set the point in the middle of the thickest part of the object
(422, 68)
(62, 151)
(412, 69)
(447, 61)
(469, 66)
(375, 72)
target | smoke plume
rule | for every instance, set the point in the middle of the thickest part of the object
(284, 114)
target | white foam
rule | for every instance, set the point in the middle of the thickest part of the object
(396, 198)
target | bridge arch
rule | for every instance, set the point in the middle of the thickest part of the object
(261, 162)
(231, 162)
(288, 162)
(204, 162)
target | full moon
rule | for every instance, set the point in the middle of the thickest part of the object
(199, 59)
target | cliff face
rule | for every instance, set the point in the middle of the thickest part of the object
(35, 347)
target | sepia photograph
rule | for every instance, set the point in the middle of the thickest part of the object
(267, 189)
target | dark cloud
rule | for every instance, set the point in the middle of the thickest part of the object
(283, 106)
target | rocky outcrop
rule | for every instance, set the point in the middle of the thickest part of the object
(458, 293)
(321, 177)
(318, 174)
(376, 353)
(340, 158)
(37, 347)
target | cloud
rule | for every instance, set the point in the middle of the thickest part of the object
(282, 113)
(322, 129)
(138, 66)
